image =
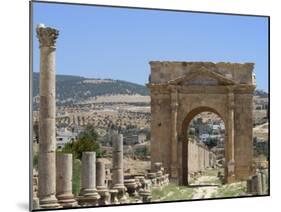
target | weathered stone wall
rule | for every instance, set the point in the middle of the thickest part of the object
(198, 158)
(162, 72)
(180, 91)
(243, 135)
(160, 125)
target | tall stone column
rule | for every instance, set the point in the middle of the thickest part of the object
(88, 194)
(64, 180)
(230, 162)
(47, 136)
(117, 167)
(174, 136)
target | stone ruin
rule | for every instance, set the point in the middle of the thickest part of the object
(258, 184)
(52, 187)
(173, 85)
(180, 91)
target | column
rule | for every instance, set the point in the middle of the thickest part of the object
(117, 167)
(88, 194)
(64, 180)
(47, 123)
(100, 179)
(230, 162)
(174, 135)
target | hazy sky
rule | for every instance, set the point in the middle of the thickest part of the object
(118, 43)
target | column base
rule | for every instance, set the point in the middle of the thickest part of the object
(35, 203)
(146, 196)
(104, 196)
(49, 202)
(122, 194)
(67, 200)
(88, 197)
(131, 187)
(114, 197)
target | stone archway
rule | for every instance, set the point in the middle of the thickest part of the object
(179, 89)
(186, 122)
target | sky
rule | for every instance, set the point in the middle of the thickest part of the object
(118, 43)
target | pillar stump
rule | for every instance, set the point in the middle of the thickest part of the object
(101, 186)
(88, 195)
(117, 167)
(47, 123)
(64, 180)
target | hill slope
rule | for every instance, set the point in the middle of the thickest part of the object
(76, 89)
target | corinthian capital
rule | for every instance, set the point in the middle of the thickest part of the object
(47, 36)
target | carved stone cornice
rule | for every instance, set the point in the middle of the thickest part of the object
(244, 89)
(47, 36)
(202, 89)
(202, 71)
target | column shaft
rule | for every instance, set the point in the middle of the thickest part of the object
(47, 137)
(88, 195)
(64, 180)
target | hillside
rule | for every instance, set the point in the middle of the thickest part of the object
(72, 89)
(76, 89)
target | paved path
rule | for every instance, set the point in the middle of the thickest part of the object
(206, 191)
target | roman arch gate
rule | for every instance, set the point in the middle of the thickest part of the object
(180, 91)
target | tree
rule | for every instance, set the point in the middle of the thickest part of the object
(211, 142)
(86, 141)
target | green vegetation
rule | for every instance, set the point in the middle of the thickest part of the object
(142, 152)
(86, 141)
(172, 192)
(213, 172)
(231, 190)
(211, 142)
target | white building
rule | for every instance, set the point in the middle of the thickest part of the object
(63, 136)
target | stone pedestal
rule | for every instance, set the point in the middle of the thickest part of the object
(249, 186)
(146, 196)
(264, 181)
(141, 180)
(259, 183)
(88, 194)
(64, 180)
(131, 187)
(166, 179)
(35, 199)
(117, 167)
(47, 120)
(114, 197)
(101, 186)
(138, 183)
(152, 177)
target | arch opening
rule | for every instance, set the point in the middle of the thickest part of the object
(203, 149)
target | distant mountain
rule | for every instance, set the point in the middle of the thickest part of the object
(261, 93)
(71, 89)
